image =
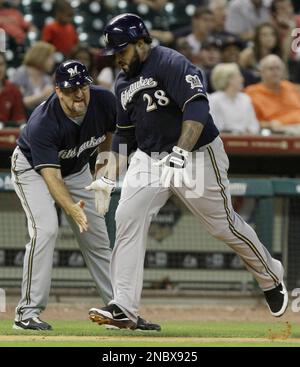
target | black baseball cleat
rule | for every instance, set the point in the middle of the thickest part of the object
(111, 315)
(277, 300)
(145, 325)
(142, 325)
(34, 323)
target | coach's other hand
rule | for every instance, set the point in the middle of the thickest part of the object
(173, 166)
(103, 188)
(78, 215)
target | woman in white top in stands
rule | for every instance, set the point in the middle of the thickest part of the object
(32, 77)
(231, 109)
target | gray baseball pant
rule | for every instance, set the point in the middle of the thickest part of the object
(141, 199)
(42, 223)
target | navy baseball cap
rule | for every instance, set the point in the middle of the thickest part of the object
(211, 42)
(72, 73)
(233, 41)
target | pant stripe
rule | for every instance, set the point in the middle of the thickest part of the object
(33, 239)
(230, 222)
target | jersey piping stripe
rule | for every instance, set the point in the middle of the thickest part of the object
(14, 159)
(33, 240)
(193, 97)
(231, 226)
(32, 246)
(125, 127)
(249, 266)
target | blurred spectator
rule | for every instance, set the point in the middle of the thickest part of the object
(61, 33)
(168, 37)
(32, 77)
(210, 56)
(214, 15)
(202, 27)
(266, 42)
(286, 22)
(184, 48)
(231, 109)
(11, 102)
(244, 16)
(13, 23)
(276, 101)
(107, 75)
(231, 48)
(284, 17)
(83, 53)
(219, 9)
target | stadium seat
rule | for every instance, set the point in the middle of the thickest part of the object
(14, 52)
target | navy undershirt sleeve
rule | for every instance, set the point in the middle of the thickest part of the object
(196, 110)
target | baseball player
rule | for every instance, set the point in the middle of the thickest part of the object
(50, 164)
(162, 107)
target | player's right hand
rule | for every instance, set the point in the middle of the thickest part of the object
(78, 215)
(103, 188)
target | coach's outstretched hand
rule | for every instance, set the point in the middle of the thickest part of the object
(78, 215)
(173, 166)
(103, 188)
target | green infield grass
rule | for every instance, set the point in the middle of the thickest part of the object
(173, 334)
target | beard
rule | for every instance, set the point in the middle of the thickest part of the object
(135, 66)
(79, 108)
(74, 109)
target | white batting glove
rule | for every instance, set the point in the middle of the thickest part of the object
(174, 166)
(103, 188)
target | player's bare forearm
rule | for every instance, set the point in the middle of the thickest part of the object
(103, 155)
(112, 163)
(57, 188)
(191, 131)
(115, 166)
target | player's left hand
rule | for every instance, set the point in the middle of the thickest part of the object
(174, 166)
(76, 211)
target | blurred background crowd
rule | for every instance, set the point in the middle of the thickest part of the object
(248, 51)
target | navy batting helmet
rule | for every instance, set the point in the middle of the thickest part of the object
(122, 30)
(72, 73)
